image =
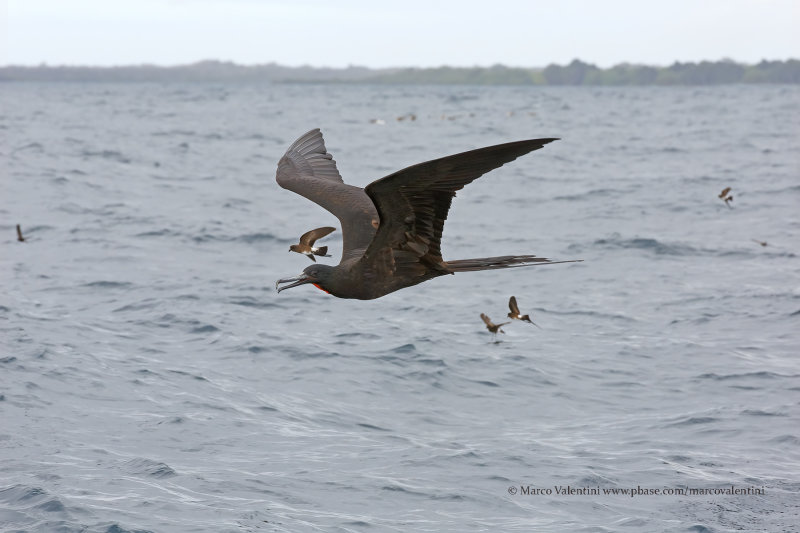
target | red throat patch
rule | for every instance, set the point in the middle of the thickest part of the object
(317, 285)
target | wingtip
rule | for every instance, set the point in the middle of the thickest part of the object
(310, 142)
(538, 143)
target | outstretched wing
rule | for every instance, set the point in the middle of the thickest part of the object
(310, 237)
(512, 306)
(309, 170)
(413, 204)
(487, 321)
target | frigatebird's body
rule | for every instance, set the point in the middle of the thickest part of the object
(392, 229)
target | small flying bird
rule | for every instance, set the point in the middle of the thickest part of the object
(307, 241)
(725, 197)
(762, 243)
(515, 315)
(20, 238)
(491, 326)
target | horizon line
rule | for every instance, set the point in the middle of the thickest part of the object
(45, 64)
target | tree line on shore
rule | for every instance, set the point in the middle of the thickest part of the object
(575, 73)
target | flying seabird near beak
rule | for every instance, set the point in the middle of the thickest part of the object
(491, 326)
(392, 228)
(515, 315)
(307, 241)
(725, 197)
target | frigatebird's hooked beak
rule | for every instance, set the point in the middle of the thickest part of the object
(299, 280)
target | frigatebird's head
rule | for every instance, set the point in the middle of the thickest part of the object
(317, 275)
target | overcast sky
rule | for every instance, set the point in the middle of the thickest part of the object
(374, 33)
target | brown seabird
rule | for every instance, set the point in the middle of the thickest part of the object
(307, 241)
(725, 197)
(515, 314)
(491, 326)
(392, 229)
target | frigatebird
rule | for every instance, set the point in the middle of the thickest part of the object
(392, 228)
(307, 240)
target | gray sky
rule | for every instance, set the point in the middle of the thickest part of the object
(398, 33)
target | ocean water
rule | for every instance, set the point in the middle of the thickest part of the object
(152, 380)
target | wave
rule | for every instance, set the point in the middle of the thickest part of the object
(649, 244)
(174, 133)
(109, 285)
(747, 375)
(208, 237)
(110, 155)
(591, 195)
(26, 506)
(695, 420)
(148, 468)
(249, 301)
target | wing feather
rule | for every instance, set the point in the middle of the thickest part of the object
(413, 203)
(310, 237)
(310, 171)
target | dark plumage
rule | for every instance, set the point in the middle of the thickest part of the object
(515, 314)
(491, 326)
(20, 238)
(392, 229)
(307, 241)
(725, 197)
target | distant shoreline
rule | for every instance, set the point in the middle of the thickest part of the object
(574, 74)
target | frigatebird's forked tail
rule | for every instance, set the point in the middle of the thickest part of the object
(503, 261)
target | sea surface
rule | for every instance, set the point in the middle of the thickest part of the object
(152, 380)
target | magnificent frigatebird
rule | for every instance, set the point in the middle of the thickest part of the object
(392, 229)
(307, 240)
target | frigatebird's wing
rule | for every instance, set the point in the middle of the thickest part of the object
(309, 170)
(413, 204)
(512, 306)
(310, 237)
